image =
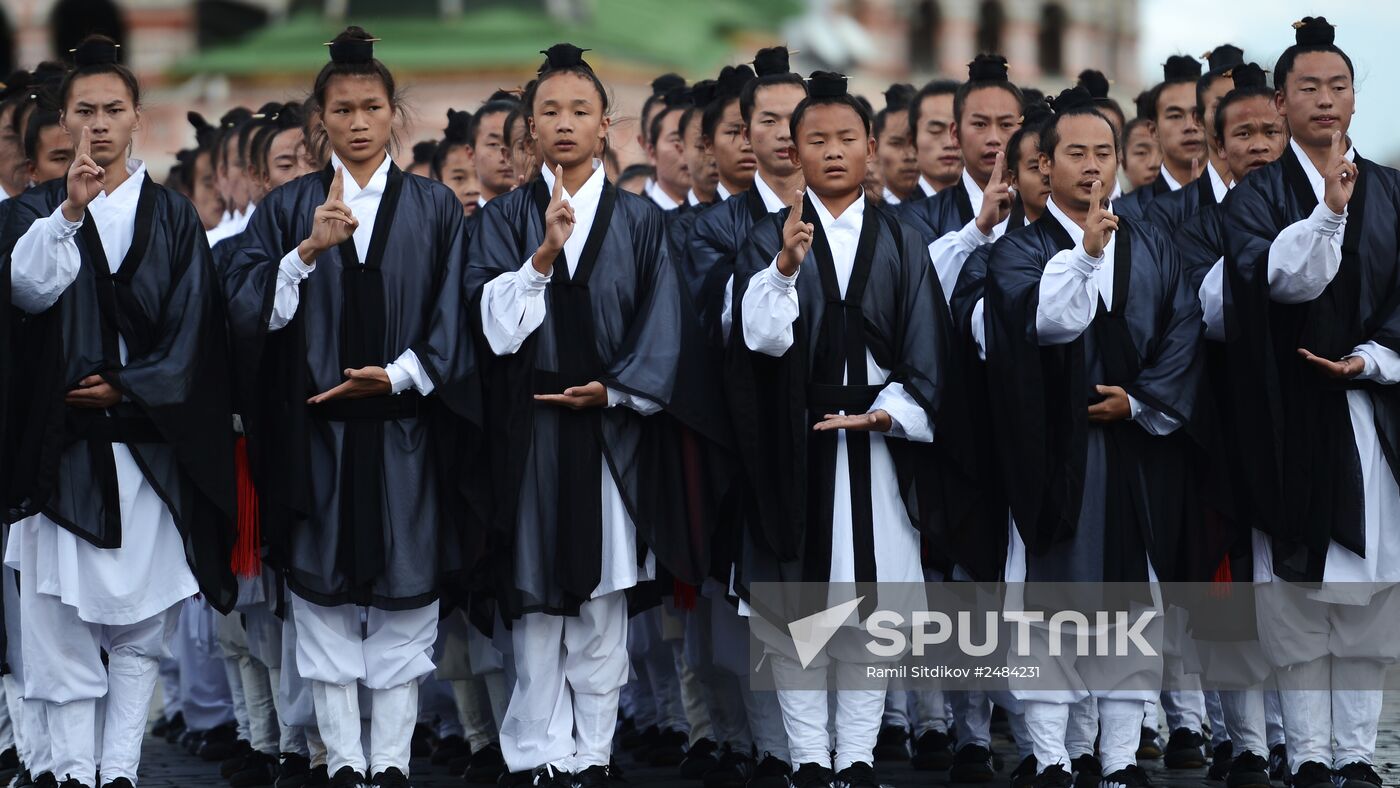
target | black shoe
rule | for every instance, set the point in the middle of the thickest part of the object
(1130, 777)
(593, 777)
(933, 751)
(293, 772)
(1220, 759)
(320, 777)
(347, 777)
(640, 739)
(71, 783)
(190, 741)
(1053, 777)
(1023, 776)
(668, 749)
(771, 772)
(733, 770)
(236, 762)
(857, 775)
(1278, 764)
(1248, 770)
(46, 780)
(259, 771)
(23, 780)
(1357, 775)
(391, 778)
(120, 782)
(891, 745)
(175, 728)
(972, 764)
(515, 779)
(160, 727)
(1312, 775)
(1184, 750)
(1149, 747)
(485, 766)
(700, 759)
(449, 747)
(1087, 771)
(421, 745)
(9, 765)
(219, 744)
(550, 777)
(812, 775)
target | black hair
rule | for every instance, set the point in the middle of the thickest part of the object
(39, 120)
(937, 87)
(1097, 84)
(352, 55)
(97, 54)
(1033, 119)
(457, 134)
(516, 114)
(897, 99)
(731, 83)
(636, 171)
(1130, 127)
(229, 126)
(659, 88)
(1075, 102)
(985, 71)
(1249, 83)
(285, 117)
(750, 94)
(423, 152)
(1178, 70)
(563, 59)
(654, 131)
(1202, 85)
(1313, 34)
(828, 89)
(492, 106)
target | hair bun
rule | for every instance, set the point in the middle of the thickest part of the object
(987, 68)
(703, 92)
(1223, 57)
(1179, 68)
(504, 95)
(1036, 113)
(1095, 82)
(1249, 75)
(204, 131)
(1071, 98)
(96, 51)
(666, 83)
(1142, 103)
(732, 80)
(1314, 31)
(353, 45)
(459, 126)
(423, 151)
(771, 61)
(562, 56)
(826, 84)
(899, 96)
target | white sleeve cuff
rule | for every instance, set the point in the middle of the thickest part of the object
(642, 405)
(907, 419)
(398, 378)
(62, 228)
(779, 280)
(970, 237)
(1382, 363)
(292, 270)
(532, 281)
(1326, 222)
(1081, 263)
(406, 371)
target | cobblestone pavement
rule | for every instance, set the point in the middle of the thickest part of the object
(164, 766)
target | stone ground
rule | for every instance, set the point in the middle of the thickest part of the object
(164, 766)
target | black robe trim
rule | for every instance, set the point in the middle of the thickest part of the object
(754, 202)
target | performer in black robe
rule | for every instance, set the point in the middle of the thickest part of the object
(1178, 133)
(1090, 309)
(703, 168)
(341, 272)
(123, 475)
(582, 310)
(1313, 332)
(840, 367)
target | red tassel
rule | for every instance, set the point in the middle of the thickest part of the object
(683, 595)
(1221, 579)
(246, 561)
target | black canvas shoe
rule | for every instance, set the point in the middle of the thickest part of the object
(972, 764)
(390, 778)
(813, 775)
(701, 758)
(1357, 775)
(1278, 764)
(1130, 777)
(892, 744)
(1087, 771)
(933, 751)
(294, 771)
(1023, 776)
(347, 777)
(771, 772)
(1055, 776)
(857, 775)
(733, 770)
(1184, 750)
(1149, 745)
(1312, 775)
(1248, 770)
(485, 766)
(1220, 759)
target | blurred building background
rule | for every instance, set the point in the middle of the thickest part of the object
(209, 55)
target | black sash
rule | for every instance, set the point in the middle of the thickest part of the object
(754, 202)
(840, 348)
(579, 545)
(963, 200)
(120, 316)
(362, 330)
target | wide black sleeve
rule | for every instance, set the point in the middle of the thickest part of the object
(1170, 377)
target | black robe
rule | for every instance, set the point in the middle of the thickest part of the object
(363, 501)
(715, 238)
(1304, 472)
(1134, 204)
(894, 308)
(935, 216)
(1169, 210)
(621, 318)
(1065, 478)
(163, 301)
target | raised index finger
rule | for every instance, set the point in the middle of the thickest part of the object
(558, 184)
(1096, 195)
(85, 142)
(794, 216)
(1337, 151)
(337, 189)
(998, 168)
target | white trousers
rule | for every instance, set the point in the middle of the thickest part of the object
(1120, 723)
(1244, 720)
(1333, 727)
(806, 706)
(569, 673)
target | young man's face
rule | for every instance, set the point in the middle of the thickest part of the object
(1084, 154)
(1030, 184)
(832, 147)
(989, 117)
(899, 164)
(940, 158)
(1318, 98)
(493, 160)
(769, 127)
(668, 155)
(1142, 157)
(1254, 135)
(704, 172)
(733, 154)
(1178, 129)
(1217, 89)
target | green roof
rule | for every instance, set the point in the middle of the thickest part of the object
(694, 36)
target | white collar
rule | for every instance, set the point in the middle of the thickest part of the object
(591, 189)
(1315, 178)
(850, 218)
(691, 198)
(974, 192)
(1117, 190)
(376, 183)
(480, 202)
(1076, 233)
(130, 190)
(771, 201)
(927, 186)
(891, 198)
(1218, 186)
(723, 193)
(659, 196)
(1167, 176)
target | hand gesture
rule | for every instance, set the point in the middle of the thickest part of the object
(85, 180)
(996, 199)
(797, 238)
(874, 421)
(1100, 222)
(1339, 177)
(93, 392)
(593, 395)
(558, 225)
(1347, 368)
(1113, 407)
(359, 383)
(333, 223)
(1196, 168)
